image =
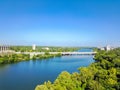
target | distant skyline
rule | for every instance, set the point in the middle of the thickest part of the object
(60, 22)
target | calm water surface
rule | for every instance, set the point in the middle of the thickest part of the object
(26, 75)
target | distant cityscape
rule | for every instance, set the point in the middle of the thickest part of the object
(107, 48)
(6, 48)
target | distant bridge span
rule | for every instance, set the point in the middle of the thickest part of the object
(78, 53)
(63, 53)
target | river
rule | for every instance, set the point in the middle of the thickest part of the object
(27, 74)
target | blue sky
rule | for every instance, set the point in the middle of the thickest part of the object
(60, 22)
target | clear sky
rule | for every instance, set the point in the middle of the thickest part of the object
(60, 22)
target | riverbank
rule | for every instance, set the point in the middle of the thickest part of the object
(12, 58)
(101, 75)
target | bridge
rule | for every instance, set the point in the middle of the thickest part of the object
(78, 53)
(6, 49)
(63, 53)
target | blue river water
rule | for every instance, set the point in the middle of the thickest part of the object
(27, 74)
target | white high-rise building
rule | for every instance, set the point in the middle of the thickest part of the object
(108, 48)
(34, 47)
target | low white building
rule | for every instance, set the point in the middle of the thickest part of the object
(102, 48)
(46, 48)
(107, 48)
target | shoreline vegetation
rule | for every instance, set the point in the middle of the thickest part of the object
(46, 56)
(12, 57)
(103, 74)
(43, 49)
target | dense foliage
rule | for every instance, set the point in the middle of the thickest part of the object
(42, 49)
(11, 58)
(104, 74)
(45, 56)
